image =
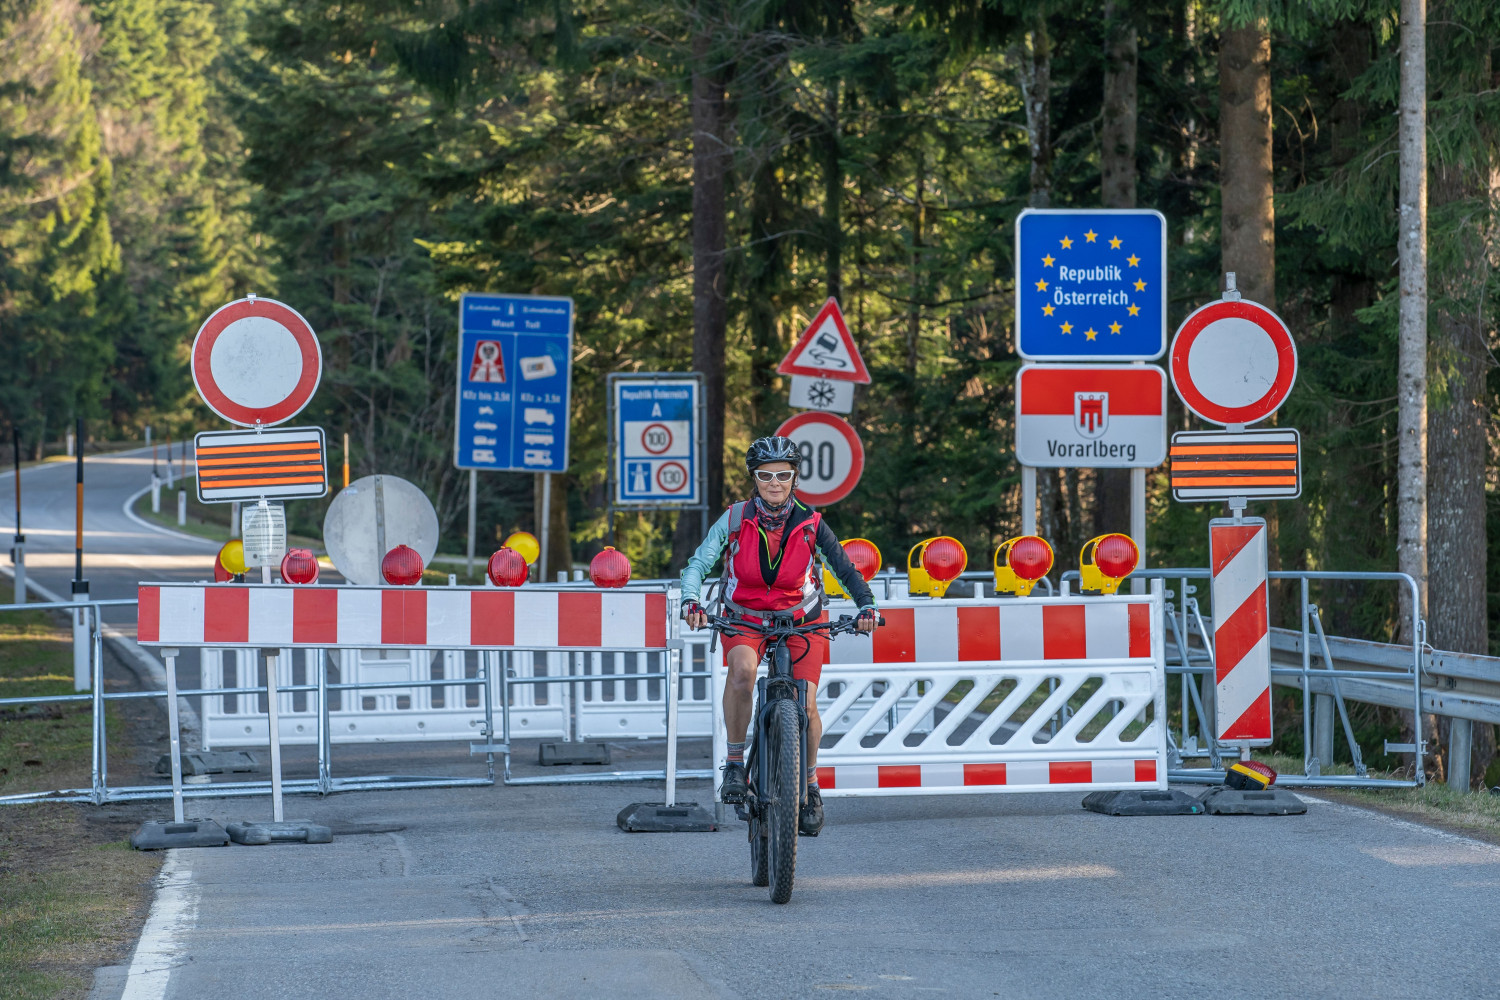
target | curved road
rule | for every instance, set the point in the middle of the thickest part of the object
(533, 892)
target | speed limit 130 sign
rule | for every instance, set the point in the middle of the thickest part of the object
(833, 458)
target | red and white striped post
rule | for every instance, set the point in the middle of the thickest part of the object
(1242, 647)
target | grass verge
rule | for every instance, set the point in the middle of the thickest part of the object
(72, 892)
(1476, 814)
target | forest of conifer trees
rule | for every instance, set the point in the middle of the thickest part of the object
(699, 175)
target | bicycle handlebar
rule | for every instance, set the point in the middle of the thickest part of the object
(770, 630)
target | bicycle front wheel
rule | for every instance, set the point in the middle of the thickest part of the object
(784, 795)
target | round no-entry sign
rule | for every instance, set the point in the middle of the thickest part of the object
(833, 458)
(1233, 362)
(256, 361)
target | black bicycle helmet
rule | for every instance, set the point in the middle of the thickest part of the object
(771, 449)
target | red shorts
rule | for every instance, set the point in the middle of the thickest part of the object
(813, 650)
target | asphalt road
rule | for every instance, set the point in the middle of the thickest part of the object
(533, 891)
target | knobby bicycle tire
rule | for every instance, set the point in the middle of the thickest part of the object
(785, 793)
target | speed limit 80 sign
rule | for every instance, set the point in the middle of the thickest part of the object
(832, 459)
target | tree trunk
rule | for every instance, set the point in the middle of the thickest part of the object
(1248, 229)
(1248, 221)
(1036, 86)
(712, 156)
(1457, 442)
(1411, 375)
(833, 198)
(1117, 183)
(1035, 62)
(767, 267)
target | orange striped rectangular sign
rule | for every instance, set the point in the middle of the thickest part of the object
(276, 463)
(1221, 465)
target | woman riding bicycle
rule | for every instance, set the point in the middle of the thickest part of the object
(772, 566)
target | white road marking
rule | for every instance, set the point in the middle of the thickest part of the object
(173, 912)
(159, 529)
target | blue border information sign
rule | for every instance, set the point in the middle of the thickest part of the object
(1091, 285)
(656, 441)
(515, 367)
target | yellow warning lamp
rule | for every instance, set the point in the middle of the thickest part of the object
(232, 557)
(865, 556)
(933, 564)
(1250, 776)
(1019, 563)
(526, 544)
(1104, 561)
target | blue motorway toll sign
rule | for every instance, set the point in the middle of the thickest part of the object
(1091, 284)
(657, 451)
(515, 366)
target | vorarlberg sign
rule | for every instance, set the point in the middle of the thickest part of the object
(1091, 416)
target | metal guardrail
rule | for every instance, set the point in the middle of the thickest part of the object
(1386, 674)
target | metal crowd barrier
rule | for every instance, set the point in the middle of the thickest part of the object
(1332, 686)
(492, 673)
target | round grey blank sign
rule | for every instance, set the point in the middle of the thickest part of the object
(373, 515)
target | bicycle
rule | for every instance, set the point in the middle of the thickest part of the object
(775, 778)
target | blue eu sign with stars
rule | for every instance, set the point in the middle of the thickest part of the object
(1091, 284)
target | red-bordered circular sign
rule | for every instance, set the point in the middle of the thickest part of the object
(656, 434)
(664, 478)
(833, 458)
(1233, 362)
(256, 360)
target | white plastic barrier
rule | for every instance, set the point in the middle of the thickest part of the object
(601, 703)
(998, 695)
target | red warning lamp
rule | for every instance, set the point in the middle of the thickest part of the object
(402, 566)
(221, 575)
(1019, 563)
(944, 558)
(865, 557)
(610, 568)
(1106, 560)
(507, 568)
(299, 566)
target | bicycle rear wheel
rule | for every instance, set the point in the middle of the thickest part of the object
(783, 797)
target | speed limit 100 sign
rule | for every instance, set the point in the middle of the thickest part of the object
(833, 458)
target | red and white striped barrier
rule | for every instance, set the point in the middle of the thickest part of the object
(1057, 775)
(1003, 631)
(1242, 644)
(276, 616)
(1003, 695)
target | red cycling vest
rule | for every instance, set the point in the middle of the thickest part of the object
(796, 583)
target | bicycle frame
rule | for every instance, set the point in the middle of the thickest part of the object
(777, 685)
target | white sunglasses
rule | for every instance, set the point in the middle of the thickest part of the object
(784, 476)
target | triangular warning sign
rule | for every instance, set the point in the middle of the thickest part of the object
(825, 350)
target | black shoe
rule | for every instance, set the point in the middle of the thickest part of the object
(811, 821)
(733, 788)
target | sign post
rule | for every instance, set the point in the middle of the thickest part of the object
(1091, 286)
(656, 442)
(1233, 362)
(825, 365)
(515, 376)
